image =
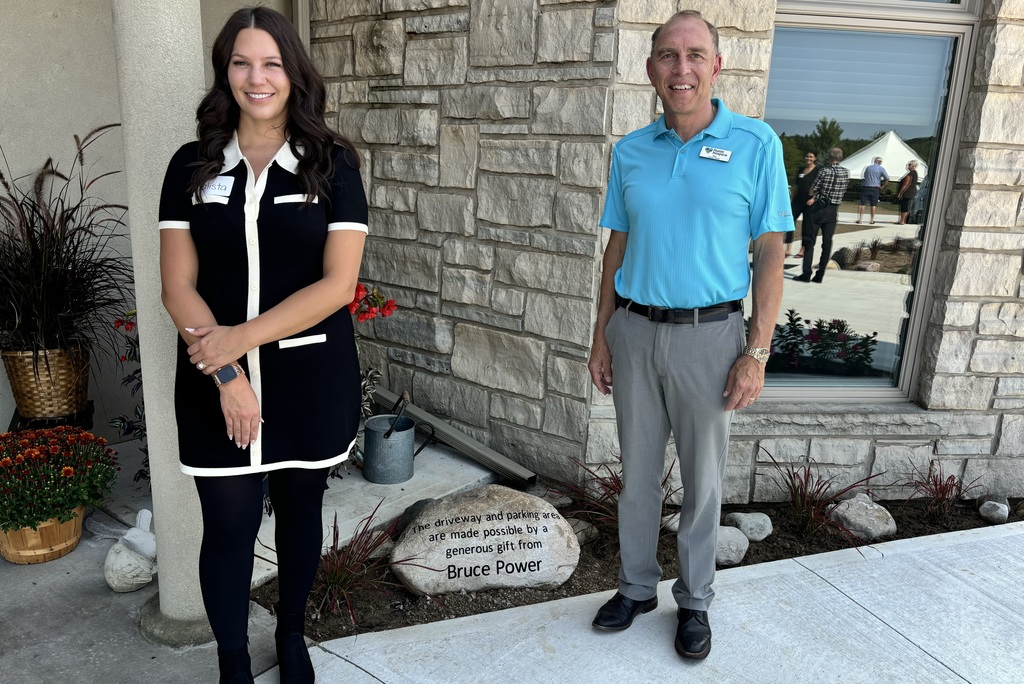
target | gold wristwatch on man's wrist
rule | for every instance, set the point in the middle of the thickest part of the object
(761, 354)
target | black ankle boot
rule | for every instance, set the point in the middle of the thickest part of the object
(234, 667)
(293, 660)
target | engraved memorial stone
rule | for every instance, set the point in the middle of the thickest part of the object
(489, 538)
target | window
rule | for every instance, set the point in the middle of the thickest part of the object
(873, 86)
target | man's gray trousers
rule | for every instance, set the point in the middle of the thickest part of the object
(670, 377)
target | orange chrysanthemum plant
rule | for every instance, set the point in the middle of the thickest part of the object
(47, 473)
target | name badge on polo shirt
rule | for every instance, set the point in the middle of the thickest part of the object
(219, 187)
(715, 153)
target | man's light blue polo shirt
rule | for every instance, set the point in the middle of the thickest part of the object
(691, 209)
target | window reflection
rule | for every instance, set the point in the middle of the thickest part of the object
(875, 96)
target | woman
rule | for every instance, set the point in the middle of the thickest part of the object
(907, 192)
(262, 227)
(804, 180)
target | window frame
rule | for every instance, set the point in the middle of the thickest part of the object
(908, 17)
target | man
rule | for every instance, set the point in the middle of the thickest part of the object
(826, 195)
(686, 195)
(874, 182)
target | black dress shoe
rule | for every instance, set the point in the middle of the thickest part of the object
(693, 635)
(618, 613)
(803, 277)
(818, 277)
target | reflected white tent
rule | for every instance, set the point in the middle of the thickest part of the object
(894, 153)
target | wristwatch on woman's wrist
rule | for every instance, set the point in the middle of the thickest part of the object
(227, 373)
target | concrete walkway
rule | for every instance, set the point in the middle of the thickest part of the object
(937, 609)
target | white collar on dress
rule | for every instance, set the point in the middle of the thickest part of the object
(284, 157)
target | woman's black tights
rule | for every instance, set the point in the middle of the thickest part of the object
(232, 510)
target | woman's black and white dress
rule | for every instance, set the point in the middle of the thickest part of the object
(257, 245)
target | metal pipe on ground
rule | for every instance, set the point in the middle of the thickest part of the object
(465, 445)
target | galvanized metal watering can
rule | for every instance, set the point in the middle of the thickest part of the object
(389, 445)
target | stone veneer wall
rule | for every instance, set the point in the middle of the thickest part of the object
(485, 128)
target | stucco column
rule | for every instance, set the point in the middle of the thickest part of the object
(160, 75)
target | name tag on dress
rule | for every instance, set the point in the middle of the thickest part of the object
(715, 153)
(219, 187)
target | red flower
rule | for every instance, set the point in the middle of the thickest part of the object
(68, 471)
(118, 323)
(370, 303)
(5, 461)
(129, 326)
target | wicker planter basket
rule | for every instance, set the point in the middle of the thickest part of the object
(48, 384)
(50, 541)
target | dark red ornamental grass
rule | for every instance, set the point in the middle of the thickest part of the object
(941, 494)
(48, 473)
(596, 499)
(812, 496)
(360, 564)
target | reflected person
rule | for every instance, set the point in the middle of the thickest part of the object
(826, 195)
(907, 191)
(874, 182)
(805, 176)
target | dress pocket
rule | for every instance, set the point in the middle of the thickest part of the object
(288, 199)
(301, 341)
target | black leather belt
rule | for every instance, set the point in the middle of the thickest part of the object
(657, 314)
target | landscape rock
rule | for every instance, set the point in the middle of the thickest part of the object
(754, 526)
(585, 532)
(731, 548)
(869, 266)
(670, 522)
(864, 518)
(410, 514)
(994, 509)
(492, 537)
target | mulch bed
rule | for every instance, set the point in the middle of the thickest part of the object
(392, 606)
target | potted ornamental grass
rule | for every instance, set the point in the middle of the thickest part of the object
(62, 279)
(47, 477)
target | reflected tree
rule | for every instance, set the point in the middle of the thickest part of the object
(826, 135)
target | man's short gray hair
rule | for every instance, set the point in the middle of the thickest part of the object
(686, 14)
(835, 154)
(878, 160)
